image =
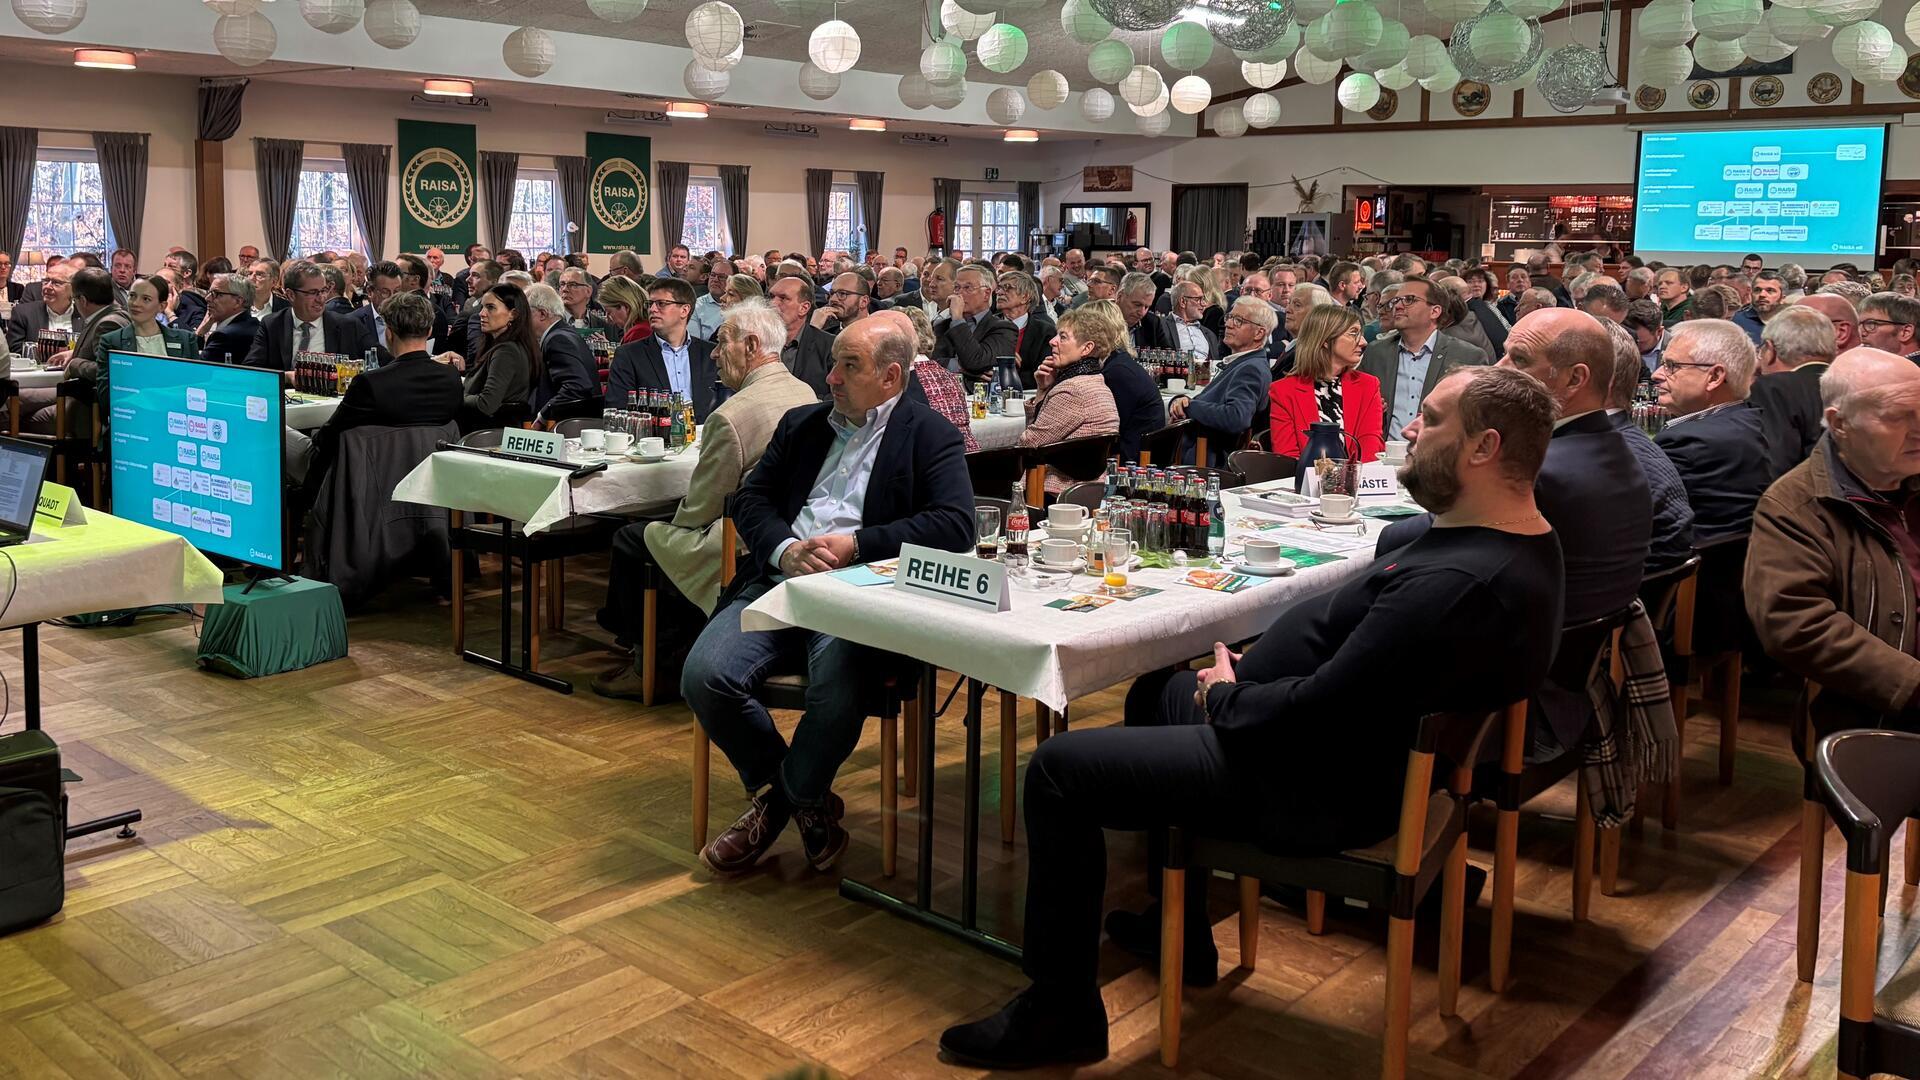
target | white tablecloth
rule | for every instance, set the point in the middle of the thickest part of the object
(997, 432)
(538, 496)
(306, 415)
(106, 564)
(28, 376)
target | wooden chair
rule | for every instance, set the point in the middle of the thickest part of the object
(1813, 844)
(1080, 459)
(76, 431)
(1394, 874)
(1260, 467)
(1089, 493)
(1162, 447)
(1720, 635)
(994, 471)
(1869, 780)
(1669, 598)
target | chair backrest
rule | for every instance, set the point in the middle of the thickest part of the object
(571, 429)
(1455, 737)
(1162, 447)
(1871, 781)
(1661, 593)
(1259, 467)
(1720, 611)
(486, 439)
(1229, 478)
(1580, 648)
(1088, 494)
(994, 471)
(1080, 459)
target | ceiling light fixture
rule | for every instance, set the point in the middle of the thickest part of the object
(687, 110)
(1021, 135)
(863, 124)
(448, 88)
(112, 59)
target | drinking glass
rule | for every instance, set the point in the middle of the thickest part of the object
(1116, 553)
(986, 525)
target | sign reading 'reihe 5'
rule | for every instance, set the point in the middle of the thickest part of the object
(547, 445)
(956, 577)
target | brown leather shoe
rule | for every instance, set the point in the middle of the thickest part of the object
(748, 838)
(621, 682)
(820, 832)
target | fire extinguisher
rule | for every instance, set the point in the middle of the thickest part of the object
(937, 230)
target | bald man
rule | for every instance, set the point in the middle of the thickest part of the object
(1829, 582)
(1846, 321)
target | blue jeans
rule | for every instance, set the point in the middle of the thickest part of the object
(728, 664)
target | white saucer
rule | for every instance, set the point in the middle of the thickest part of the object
(1240, 565)
(644, 459)
(1320, 519)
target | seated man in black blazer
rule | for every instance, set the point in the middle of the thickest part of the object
(1183, 322)
(1145, 329)
(839, 484)
(970, 337)
(1017, 299)
(808, 353)
(53, 310)
(228, 328)
(1714, 437)
(1796, 346)
(567, 383)
(306, 325)
(670, 358)
(410, 390)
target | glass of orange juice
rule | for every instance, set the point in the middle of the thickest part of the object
(1117, 552)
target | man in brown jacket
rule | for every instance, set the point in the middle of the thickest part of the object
(1836, 542)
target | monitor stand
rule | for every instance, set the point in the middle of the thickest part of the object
(258, 574)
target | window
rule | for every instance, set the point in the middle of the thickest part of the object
(846, 227)
(322, 212)
(538, 223)
(704, 228)
(68, 211)
(986, 224)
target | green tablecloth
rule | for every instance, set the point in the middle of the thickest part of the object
(279, 626)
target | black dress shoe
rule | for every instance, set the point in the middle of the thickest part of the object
(1139, 934)
(1033, 1029)
(821, 836)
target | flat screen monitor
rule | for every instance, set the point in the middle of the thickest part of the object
(23, 470)
(195, 449)
(1797, 194)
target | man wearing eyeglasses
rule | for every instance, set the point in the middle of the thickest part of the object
(707, 315)
(848, 299)
(1228, 406)
(970, 336)
(670, 359)
(306, 325)
(1888, 322)
(1410, 360)
(1713, 436)
(577, 293)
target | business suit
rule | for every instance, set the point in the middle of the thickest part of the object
(1672, 540)
(88, 332)
(1790, 414)
(275, 346)
(973, 344)
(231, 341)
(460, 282)
(1033, 343)
(1382, 361)
(809, 357)
(189, 308)
(28, 319)
(641, 366)
(1151, 332)
(1224, 412)
(1172, 323)
(33, 292)
(569, 384)
(413, 390)
(14, 289)
(1722, 456)
(1137, 399)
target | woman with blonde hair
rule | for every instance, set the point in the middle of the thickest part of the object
(740, 287)
(1074, 401)
(1214, 317)
(1326, 386)
(625, 301)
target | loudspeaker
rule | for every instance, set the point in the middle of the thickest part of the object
(33, 831)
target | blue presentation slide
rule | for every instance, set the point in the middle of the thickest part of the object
(196, 451)
(1812, 192)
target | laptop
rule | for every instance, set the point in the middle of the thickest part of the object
(23, 468)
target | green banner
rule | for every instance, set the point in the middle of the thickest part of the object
(620, 207)
(439, 198)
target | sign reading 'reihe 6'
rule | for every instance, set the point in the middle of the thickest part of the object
(955, 577)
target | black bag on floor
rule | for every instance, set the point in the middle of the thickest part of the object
(33, 831)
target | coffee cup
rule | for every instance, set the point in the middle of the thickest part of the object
(1072, 515)
(593, 438)
(1075, 533)
(1396, 450)
(651, 446)
(1262, 552)
(619, 442)
(1176, 385)
(1339, 507)
(1058, 552)
(1013, 405)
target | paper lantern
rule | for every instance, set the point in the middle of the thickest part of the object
(1306, 11)
(392, 24)
(1442, 81)
(1280, 48)
(1725, 20)
(950, 96)
(1096, 104)
(1191, 93)
(50, 16)
(1796, 26)
(1227, 122)
(245, 40)
(1759, 44)
(617, 11)
(834, 47)
(1005, 106)
(943, 63)
(1246, 24)
(1471, 66)
(1047, 89)
(1395, 77)
(333, 16)
(1425, 55)
(1157, 105)
(1519, 75)
(529, 52)
(1665, 23)
(1532, 9)
(806, 12)
(727, 62)
(232, 7)
(1570, 75)
(1664, 66)
(1888, 70)
(1350, 29)
(1716, 55)
(1313, 69)
(1083, 24)
(1141, 85)
(1453, 11)
(915, 91)
(1262, 76)
(981, 7)
(1388, 51)
(1842, 12)
(1138, 14)
(1186, 45)
(1358, 92)
(1002, 48)
(1261, 110)
(1860, 47)
(961, 23)
(1500, 40)
(704, 82)
(714, 28)
(821, 85)
(1109, 61)
(1155, 125)
(1912, 25)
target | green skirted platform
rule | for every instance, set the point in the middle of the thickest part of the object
(279, 626)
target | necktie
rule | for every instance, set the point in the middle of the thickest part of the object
(306, 337)
(1017, 339)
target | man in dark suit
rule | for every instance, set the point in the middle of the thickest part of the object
(1408, 363)
(1795, 348)
(569, 383)
(13, 288)
(1183, 322)
(229, 326)
(1145, 330)
(1672, 541)
(670, 358)
(809, 350)
(416, 275)
(1017, 298)
(849, 299)
(265, 276)
(1235, 401)
(934, 291)
(306, 325)
(838, 484)
(971, 337)
(462, 284)
(1714, 438)
(55, 310)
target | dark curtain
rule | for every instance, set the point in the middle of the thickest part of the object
(18, 149)
(733, 192)
(123, 182)
(499, 169)
(220, 108)
(672, 178)
(1210, 217)
(573, 198)
(946, 199)
(1030, 212)
(871, 185)
(276, 166)
(367, 168)
(819, 193)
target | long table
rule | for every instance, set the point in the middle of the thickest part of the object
(540, 497)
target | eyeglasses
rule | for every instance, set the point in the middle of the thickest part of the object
(310, 292)
(1868, 326)
(1238, 320)
(1403, 301)
(1670, 366)
(839, 293)
(575, 285)
(659, 303)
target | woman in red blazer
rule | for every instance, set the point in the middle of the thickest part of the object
(1327, 385)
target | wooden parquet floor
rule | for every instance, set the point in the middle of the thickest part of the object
(403, 865)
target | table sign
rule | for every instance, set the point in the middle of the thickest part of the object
(1377, 480)
(529, 443)
(57, 505)
(957, 577)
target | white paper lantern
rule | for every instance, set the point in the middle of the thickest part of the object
(1157, 105)
(1313, 69)
(1358, 92)
(727, 62)
(1348, 30)
(1500, 40)
(1442, 81)
(1665, 23)
(950, 96)
(704, 82)
(1842, 12)
(1531, 9)
(529, 52)
(714, 28)
(245, 40)
(961, 23)
(1725, 20)
(1306, 11)
(1109, 61)
(821, 85)
(1083, 24)
(834, 47)
(1005, 106)
(1425, 54)
(1862, 46)
(1760, 45)
(1913, 25)
(1262, 76)
(1889, 69)
(617, 11)
(1096, 104)
(1227, 122)
(392, 24)
(1261, 110)
(1388, 51)
(915, 91)
(333, 16)
(943, 63)
(1047, 89)
(1280, 48)
(1718, 56)
(1795, 26)
(1002, 48)
(1395, 77)
(1190, 94)
(982, 7)
(1141, 85)
(51, 16)
(232, 7)
(1155, 125)
(1186, 45)
(1664, 66)
(1453, 11)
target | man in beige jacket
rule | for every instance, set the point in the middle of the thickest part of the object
(682, 555)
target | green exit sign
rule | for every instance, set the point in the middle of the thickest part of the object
(993, 174)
